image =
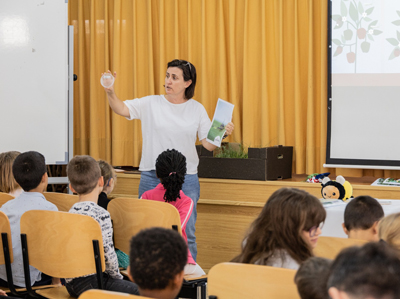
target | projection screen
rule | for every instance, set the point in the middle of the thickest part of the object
(364, 84)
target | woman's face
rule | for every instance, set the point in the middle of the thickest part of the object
(311, 236)
(174, 82)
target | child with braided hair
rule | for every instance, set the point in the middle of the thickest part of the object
(171, 170)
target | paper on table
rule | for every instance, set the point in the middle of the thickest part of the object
(331, 203)
(222, 116)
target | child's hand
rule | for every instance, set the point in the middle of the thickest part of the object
(2, 293)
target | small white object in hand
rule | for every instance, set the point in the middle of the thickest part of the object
(107, 80)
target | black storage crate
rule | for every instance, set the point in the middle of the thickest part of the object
(268, 163)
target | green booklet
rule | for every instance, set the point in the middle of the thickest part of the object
(391, 182)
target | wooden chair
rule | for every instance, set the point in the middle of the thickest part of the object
(7, 257)
(4, 197)
(102, 294)
(63, 201)
(239, 281)
(131, 215)
(329, 247)
(61, 245)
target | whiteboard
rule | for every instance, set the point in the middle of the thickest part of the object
(34, 102)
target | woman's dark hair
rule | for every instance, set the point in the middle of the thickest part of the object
(287, 213)
(189, 73)
(171, 170)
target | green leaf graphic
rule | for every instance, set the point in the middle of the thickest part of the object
(377, 32)
(360, 7)
(336, 42)
(336, 17)
(398, 35)
(393, 41)
(372, 24)
(367, 19)
(397, 22)
(369, 10)
(370, 37)
(343, 9)
(398, 12)
(353, 12)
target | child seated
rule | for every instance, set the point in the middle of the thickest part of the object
(110, 179)
(371, 272)
(361, 218)
(286, 232)
(389, 231)
(85, 179)
(7, 181)
(171, 170)
(311, 278)
(157, 259)
(29, 170)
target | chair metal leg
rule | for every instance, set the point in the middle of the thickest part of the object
(97, 260)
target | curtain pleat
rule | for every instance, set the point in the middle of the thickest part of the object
(267, 57)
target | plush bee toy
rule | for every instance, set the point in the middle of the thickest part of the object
(339, 189)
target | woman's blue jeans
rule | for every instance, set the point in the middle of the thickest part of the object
(191, 188)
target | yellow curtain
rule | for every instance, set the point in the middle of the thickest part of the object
(268, 57)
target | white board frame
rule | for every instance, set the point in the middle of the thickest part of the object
(31, 15)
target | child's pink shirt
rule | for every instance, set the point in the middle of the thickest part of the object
(184, 205)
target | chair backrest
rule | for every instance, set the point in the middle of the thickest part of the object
(130, 215)
(4, 197)
(329, 247)
(102, 294)
(5, 228)
(63, 201)
(60, 243)
(238, 281)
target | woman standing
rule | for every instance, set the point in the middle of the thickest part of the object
(170, 121)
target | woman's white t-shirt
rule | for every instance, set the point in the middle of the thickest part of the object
(169, 126)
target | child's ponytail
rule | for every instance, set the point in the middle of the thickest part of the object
(171, 169)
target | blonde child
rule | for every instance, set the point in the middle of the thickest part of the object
(389, 231)
(7, 181)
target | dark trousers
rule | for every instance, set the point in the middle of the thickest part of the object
(46, 279)
(81, 284)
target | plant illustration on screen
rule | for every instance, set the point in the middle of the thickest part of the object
(395, 41)
(356, 28)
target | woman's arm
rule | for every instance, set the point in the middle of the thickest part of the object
(207, 145)
(115, 103)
